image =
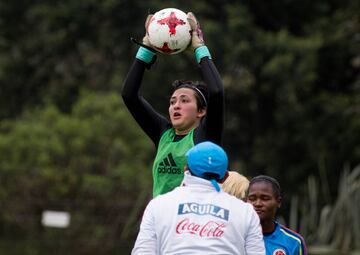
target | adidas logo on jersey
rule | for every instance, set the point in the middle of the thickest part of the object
(168, 166)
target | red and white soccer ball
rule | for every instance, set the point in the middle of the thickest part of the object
(169, 31)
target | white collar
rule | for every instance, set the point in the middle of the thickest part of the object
(194, 181)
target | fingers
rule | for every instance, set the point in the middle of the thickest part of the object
(146, 40)
(147, 22)
(191, 16)
(197, 39)
(192, 21)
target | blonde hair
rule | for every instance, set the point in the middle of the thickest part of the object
(236, 184)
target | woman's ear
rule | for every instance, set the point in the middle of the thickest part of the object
(201, 113)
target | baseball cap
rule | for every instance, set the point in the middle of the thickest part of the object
(208, 158)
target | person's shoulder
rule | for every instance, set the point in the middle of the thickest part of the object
(228, 196)
(168, 196)
(236, 201)
(291, 234)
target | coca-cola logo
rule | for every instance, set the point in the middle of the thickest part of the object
(208, 229)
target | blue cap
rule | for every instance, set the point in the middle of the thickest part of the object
(207, 157)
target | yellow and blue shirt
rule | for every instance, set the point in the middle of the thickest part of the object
(284, 241)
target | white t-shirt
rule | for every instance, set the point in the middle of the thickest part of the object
(196, 219)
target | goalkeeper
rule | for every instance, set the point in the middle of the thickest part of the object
(196, 111)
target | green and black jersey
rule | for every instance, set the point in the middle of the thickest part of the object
(170, 158)
(168, 168)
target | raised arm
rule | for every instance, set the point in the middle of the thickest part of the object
(145, 115)
(214, 119)
(211, 128)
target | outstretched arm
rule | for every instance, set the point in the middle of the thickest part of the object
(211, 128)
(214, 119)
(145, 115)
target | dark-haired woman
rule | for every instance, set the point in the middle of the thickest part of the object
(265, 195)
(195, 112)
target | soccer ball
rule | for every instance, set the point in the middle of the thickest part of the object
(169, 31)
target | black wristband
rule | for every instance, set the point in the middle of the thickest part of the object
(141, 44)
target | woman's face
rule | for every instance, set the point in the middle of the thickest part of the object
(183, 110)
(262, 196)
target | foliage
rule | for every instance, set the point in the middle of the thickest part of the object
(335, 225)
(292, 90)
(83, 163)
(291, 76)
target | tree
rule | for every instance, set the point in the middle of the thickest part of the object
(83, 163)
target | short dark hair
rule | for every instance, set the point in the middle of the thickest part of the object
(265, 178)
(200, 88)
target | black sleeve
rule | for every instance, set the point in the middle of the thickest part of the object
(145, 115)
(211, 127)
